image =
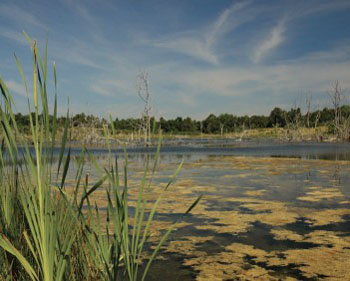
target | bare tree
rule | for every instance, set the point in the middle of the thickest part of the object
(312, 119)
(316, 119)
(336, 96)
(293, 122)
(341, 123)
(221, 129)
(308, 109)
(144, 94)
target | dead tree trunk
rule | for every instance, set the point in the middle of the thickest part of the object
(143, 92)
(337, 95)
(308, 109)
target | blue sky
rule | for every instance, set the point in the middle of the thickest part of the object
(202, 56)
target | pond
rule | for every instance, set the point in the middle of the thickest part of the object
(270, 211)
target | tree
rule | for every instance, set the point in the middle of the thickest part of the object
(341, 121)
(211, 124)
(293, 123)
(336, 96)
(143, 92)
(308, 109)
(189, 125)
(277, 117)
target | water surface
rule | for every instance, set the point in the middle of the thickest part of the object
(269, 211)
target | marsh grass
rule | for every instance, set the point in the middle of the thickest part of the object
(49, 233)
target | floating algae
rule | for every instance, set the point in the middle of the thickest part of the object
(321, 194)
(259, 219)
(284, 234)
(229, 264)
(255, 192)
(330, 259)
(324, 217)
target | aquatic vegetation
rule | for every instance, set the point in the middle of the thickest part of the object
(317, 194)
(50, 227)
(253, 227)
(257, 234)
(90, 218)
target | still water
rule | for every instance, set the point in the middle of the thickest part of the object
(270, 211)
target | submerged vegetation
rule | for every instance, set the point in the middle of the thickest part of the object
(52, 229)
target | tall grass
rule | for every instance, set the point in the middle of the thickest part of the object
(49, 233)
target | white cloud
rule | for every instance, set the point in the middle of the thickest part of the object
(272, 41)
(299, 9)
(296, 11)
(111, 87)
(280, 79)
(100, 89)
(225, 23)
(180, 87)
(201, 43)
(13, 35)
(18, 15)
(189, 46)
(339, 53)
(89, 20)
(79, 52)
(16, 87)
(247, 89)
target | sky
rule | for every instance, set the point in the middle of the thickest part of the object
(201, 56)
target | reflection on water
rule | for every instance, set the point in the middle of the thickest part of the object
(195, 148)
(325, 151)
(264, 218)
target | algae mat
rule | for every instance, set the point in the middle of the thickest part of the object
(260, 219)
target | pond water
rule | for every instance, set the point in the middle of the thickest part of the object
(270, 211)
(220, 147)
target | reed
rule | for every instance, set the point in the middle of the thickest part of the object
(49, 233)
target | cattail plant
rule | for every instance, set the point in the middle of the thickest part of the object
(49, 233)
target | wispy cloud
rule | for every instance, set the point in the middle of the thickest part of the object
(74, 51)
(270, 42)
(16, 87)
(89, 21)
(13, 35)
(20, 16)
(190, 46)
(339, 53)
(253, 88)
(111, 87)
(79, 51)
(100, 89)
(230, 57)
(223, 24)
(201, 43)
(296, 10)
(300, 9)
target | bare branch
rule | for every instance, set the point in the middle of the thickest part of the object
(144, 94)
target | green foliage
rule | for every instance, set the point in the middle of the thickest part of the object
(210, 125)
(50, 234)
(277, 118)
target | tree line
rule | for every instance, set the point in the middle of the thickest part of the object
(213, 124)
